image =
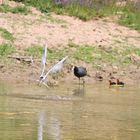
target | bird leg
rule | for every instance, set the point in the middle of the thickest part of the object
(79, 81)
(39, 82)
(83, 82)
(45, 84)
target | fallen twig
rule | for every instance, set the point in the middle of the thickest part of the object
(22, 58)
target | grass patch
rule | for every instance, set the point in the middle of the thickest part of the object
(131, 18)
(118, 55)
(6, 34)
(89, 54)
(52, 54)
(6, 49)
(87, 10)
(56, 54)
(35, 51)
(128, 13)
(42, 5)
(5, 8)
(108, 55)
(84, 53)
(18, 9)
(82, 10)
(127, 53)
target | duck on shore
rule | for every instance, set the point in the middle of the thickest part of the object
(112, 83)
(120, 83)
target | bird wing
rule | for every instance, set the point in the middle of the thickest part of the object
(82, 70)
(44, 56)
(58, 66)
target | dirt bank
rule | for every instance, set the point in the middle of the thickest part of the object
(36, 28)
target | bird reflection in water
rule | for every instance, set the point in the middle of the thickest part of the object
(54, 127)
(80, 91)
(48, 125)
(41, 122)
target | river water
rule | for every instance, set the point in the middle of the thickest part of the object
(69, 112)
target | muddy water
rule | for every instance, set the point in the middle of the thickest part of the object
(69, 112)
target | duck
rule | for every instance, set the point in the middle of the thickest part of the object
(112, 83)
(79, 72)
(120, 83)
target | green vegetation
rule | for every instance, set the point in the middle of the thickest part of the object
(84, 11)
(5, 8)
(96, 55)
(35, 51)
(84, 53)
(18, 9)
(52, 54)
(6, 34)
(111, 55)
(6, 49)
(128, 11)
(42, 5)
(56, 54)
(131, 17)
(87, 10)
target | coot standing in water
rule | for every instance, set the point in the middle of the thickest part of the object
(80, 72)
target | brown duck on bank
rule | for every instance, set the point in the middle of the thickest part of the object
(112, 83)
(120, 83)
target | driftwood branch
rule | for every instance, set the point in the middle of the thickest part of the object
(22, 59)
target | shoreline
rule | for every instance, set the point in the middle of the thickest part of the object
(25, 73)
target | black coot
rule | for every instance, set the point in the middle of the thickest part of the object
(80, 72)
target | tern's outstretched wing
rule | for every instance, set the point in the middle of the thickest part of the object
(44, 56)
(57, 67)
